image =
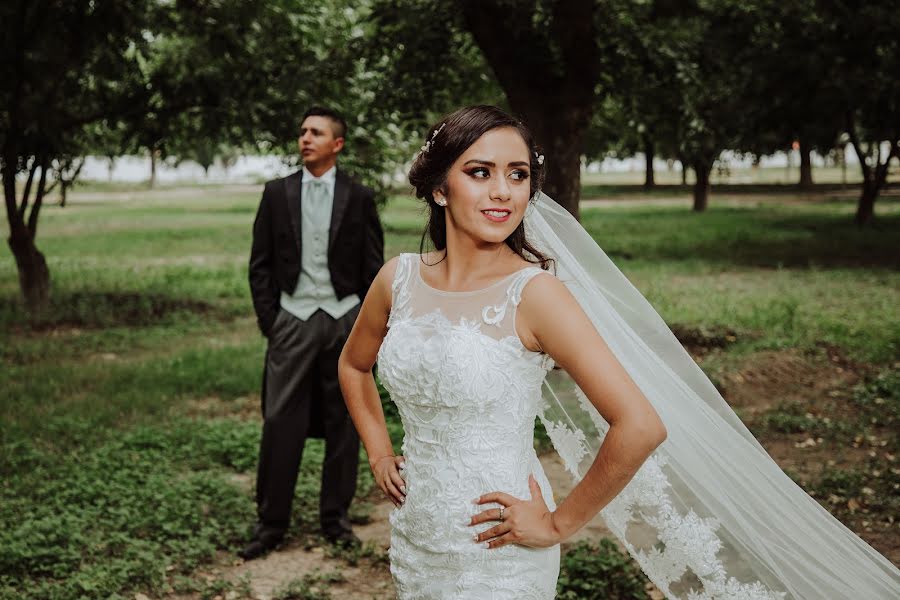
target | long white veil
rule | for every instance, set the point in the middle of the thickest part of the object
(709, 516)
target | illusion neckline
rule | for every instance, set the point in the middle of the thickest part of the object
(463, 292)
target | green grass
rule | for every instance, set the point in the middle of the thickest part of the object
(128, 417)
(309, 587)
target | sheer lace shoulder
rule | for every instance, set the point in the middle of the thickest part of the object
(400, 289)
(491, 309)
(494, 315)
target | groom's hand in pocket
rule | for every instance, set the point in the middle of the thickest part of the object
(524, 522)
(387, 475)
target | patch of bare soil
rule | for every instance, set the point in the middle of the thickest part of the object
(700, 342)
(243, 407)
(358, 578)
(780, 377)
(365, 581)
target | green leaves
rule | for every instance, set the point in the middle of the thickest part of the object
(599, 572)
(103, 520)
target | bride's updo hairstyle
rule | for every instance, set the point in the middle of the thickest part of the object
(445, 143)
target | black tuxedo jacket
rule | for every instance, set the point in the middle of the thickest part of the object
(355, 243)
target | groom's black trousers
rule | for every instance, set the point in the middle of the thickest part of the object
(301, 381)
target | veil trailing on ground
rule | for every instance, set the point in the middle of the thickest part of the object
(709, 516)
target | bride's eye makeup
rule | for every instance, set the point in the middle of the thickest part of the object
(478, 172)
(484, 173)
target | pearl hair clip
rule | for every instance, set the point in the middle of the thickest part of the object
(539, 157)
(429, 143)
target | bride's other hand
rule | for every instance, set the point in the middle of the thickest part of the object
(525, 522)
(387, 475)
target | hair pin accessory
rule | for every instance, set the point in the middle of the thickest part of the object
(429, 143)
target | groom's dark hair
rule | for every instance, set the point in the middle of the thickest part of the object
(339, 125)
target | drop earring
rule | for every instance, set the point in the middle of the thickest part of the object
(440, 201)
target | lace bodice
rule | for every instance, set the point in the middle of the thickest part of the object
(468, 392)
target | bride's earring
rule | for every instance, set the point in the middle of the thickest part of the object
(440, 201)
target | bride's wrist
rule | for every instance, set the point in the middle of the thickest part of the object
(374, 462)
(559, 529)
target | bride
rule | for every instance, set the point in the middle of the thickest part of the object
(466, 339)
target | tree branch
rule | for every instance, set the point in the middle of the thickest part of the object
(27, 191)
(52, 186)
(882, 170)
(38, 199)
(854, 141)
(9, 191)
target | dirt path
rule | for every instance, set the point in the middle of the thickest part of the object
(165, 193)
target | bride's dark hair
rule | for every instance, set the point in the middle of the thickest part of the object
(446, 141)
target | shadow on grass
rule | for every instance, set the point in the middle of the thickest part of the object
(100, 309)
(757, 238)
(850, 190)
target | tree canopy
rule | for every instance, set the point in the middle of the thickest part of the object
(669, 78)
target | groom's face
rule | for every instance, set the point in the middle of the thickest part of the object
(317, 142)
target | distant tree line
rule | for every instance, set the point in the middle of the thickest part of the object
(673, 79)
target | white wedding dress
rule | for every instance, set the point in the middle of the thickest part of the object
(468, 392)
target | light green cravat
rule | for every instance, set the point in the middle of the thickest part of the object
(316, 201)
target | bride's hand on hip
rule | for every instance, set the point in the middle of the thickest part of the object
(387, 475)
(523, 522)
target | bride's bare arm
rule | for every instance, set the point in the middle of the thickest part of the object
(550, 319)
(358, 383)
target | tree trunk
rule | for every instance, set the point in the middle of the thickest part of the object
(874, 174)
(683, 163)
(648, 157)
(844, 166)
(702, 169)
(34, 276)
(806, 180)
(63, 188)
(865, 208)
(561, 140)
(153, 155)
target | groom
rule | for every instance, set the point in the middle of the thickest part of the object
(317, 246)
